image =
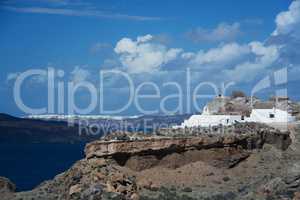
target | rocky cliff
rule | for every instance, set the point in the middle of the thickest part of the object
(260, 163)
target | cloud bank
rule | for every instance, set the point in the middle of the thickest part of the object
(231, 61)
(142, 55)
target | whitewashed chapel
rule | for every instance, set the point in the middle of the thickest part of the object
(267, 116)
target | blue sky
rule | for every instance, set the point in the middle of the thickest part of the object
(220, 40)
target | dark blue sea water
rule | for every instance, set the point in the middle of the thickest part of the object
(27, 165)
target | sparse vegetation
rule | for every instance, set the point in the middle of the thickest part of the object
(166, 194)
(187, 189)
(237, 93)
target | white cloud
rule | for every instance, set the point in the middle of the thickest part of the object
(171, 54)
(78, 12)
(279, 50)
(243, 63)
(144, 38)
(289, 21)
(234, 61)
(265, 54)
(239, 62)
(222, 55)
(246, 71)
(226, 62)
(143, 55)
(287, 37)
(188, 55)
(224, 32)
(79, 74)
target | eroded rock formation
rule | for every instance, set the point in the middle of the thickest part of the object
(250, 163)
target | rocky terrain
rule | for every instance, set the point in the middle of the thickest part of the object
(239, 103)
(251, 161)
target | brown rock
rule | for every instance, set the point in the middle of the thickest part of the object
(110, 187)
(121, 189)
(6, 186)
(117, 177)
(296, 196)
(99, 175)
(246, 136)
(145, 183)
(109, 148)
(100, 162)
(135, 196)
(74, 189)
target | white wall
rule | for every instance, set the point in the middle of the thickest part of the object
(263, 116)
(257, 115)
(210, 120)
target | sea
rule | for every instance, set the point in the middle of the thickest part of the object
(28, 165)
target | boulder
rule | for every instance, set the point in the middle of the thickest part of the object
(6, 186)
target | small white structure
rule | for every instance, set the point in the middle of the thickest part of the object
(267, 116)
(206, 111)
(270, 116)
(210, 120)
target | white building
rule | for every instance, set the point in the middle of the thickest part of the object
(210, 120)
(257, 115)
(270, 116)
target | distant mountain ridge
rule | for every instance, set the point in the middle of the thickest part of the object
(4, 116)
(56, 129)
(67, 117)
(22, 130)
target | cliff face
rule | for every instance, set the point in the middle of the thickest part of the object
(152, 145)
(171, 145)
(219, 150)
(205, 166)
